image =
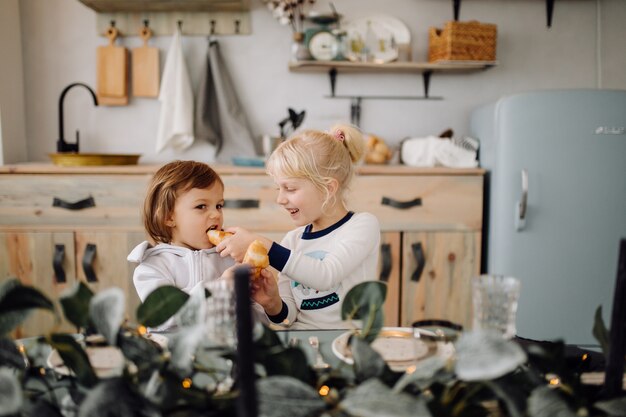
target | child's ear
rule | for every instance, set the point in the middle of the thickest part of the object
(169, 222)
(333, 186)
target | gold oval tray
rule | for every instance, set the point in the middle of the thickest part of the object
(81, 159)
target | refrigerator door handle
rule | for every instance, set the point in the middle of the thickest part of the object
(521, 207)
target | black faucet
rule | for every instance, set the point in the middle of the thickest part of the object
(62, 145)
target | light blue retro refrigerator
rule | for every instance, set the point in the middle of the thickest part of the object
(555, 204)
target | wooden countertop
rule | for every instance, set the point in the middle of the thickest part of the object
(47, 168)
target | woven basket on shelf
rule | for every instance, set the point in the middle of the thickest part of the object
(462, 41)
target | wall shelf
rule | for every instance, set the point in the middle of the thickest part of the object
(426, 69)
(197, 17)
(139, 6)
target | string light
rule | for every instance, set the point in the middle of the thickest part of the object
(324, 390)
(142, 330)
(186, 383)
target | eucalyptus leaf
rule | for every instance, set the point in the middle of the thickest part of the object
(43, 408)
(10, 392)
(374, 399)
(75, 304)
(10, 356)
(364, 302)
(291, 361)
(183, 345)
(16, 303)
(74, 357)
(483, 355)
(160, 305)
(113, 397)
(545, 402)
(600, 332)
(106, 311)
(141, 351)
(22, 297)
(424, 370)
(367, 362)
(281, 396)
(614, 407)
(193, 312)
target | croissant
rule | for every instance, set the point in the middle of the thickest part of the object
(256, 257)
(216, 236)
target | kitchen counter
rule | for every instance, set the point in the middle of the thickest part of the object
(47, 168)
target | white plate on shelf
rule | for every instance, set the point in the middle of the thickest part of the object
(396, 345)
(392, 35)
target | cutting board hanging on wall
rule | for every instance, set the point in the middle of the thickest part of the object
(112, 72)
(145, 64)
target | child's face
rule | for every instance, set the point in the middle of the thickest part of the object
(195, 212)
(302, 200)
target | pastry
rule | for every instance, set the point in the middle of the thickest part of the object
(216, 236)
(256, 257)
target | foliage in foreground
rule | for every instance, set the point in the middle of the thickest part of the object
(194, 376)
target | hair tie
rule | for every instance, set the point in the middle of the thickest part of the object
(339, 135)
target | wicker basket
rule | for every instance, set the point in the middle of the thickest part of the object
(462, 41)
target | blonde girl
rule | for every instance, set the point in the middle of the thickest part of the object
(331, 249)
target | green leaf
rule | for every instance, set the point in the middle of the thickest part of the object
(10, 355)
(600, 332)
(613, 407)
(16, 302)
(364, 302)
(106, 311)
(291, 361)
(10, 393)
(284, 396)
(367, 362)
(160, 305)
(74, 357)
(374, 399)
(484, 355)
(75, 304)
(23, 297)
(546, 402)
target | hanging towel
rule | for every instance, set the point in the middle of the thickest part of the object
(220, 119)
(176, 97)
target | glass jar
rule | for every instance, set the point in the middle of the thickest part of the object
(299, 50)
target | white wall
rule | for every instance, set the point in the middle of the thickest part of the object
(12, 112)
(583, 49)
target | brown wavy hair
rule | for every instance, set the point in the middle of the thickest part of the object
(167, 183)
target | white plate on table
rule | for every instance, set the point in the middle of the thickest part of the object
(396, 345)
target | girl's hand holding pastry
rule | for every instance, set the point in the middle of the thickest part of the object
(265, 292)
(237, 244)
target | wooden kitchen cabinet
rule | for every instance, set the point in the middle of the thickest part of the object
(54, 261)
(437, 209)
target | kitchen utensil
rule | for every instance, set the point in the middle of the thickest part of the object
(145, 63)
(112, 72)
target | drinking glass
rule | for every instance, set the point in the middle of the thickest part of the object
(220, 314)
(495, 300)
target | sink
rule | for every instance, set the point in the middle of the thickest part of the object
(70, 159)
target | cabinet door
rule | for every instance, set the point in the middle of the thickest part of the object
(389, 272)
(42, 260)
(101, 263)
(436, 272)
